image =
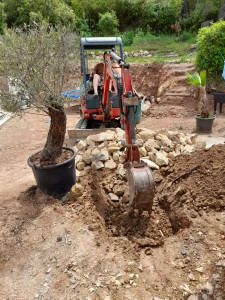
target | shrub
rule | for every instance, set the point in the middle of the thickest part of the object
(128, 38)
(2, 18)
(210, 41)
(108, 23)
(186, 36)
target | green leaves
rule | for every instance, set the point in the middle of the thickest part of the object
(196, 78)
(34, 60)
(108, 23)
(210, 40)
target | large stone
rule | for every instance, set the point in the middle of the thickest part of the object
(78, 158)
(95, 154)
(183, 141)
(113, 197)
(122, 158)
(150, 143)
(146, 134)
(145, 107)
(143, 151)
(150, 163)
(120, 170)
(120, 134)
(87, 156)
(82, 145)
(104, 155)
(161, 159)
(96, 165)
(80, 165)
(151, 156)
(92, 139)
(116, 156)
(113, 148)
(108, 135)
(110, 164)
(175, 139)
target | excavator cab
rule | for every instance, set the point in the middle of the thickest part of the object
(93, 106)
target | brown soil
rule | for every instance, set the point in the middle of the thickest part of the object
(66, 154)
(89, 248)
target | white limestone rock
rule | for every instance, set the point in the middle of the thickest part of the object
(146, 134)
(143, 151)
(82, 145)
(108, 135)
(161, 159)
(87, 156)
(120, 170)
(96, 165)
(116, 156)
(150, 163)
(110, 164)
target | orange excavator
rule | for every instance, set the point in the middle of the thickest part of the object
(115, 106)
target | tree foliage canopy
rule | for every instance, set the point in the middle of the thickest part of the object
(211, 41)
(34, 61)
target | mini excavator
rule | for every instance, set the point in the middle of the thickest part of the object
(115, 106)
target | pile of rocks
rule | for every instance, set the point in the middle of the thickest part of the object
(106, 149)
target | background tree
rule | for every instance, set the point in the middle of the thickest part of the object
(26, 11)
(2, 18)
(35, 61)
(108, 23)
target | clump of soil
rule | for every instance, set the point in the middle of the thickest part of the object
(36, 159)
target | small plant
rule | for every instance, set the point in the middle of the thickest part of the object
(180, 127)
(200, 80)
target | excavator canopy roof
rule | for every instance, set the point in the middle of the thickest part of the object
(100, 42)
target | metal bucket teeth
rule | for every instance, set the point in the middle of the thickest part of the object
(141, 187)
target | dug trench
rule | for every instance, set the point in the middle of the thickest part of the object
(190, 186)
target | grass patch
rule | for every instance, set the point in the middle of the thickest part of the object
(160, 47)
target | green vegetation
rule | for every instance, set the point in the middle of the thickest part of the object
(92, 17)
(199, 79)
(210, 41)
(35, 66)
(2, 18)
(108, 23)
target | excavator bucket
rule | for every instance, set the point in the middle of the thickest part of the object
(141, 187)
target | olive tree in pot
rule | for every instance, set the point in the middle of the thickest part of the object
(34, 60)
(204, 120)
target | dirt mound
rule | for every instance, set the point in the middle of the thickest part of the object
(193, 184)
(190, 185)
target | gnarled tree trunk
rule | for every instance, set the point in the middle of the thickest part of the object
(202, 104)
(56, 134)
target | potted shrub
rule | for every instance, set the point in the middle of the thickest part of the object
(204, 120)
(34, 60)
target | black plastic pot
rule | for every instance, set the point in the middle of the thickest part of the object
(55, 180)
(204, 125)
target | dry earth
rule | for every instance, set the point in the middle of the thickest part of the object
(87, 247)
